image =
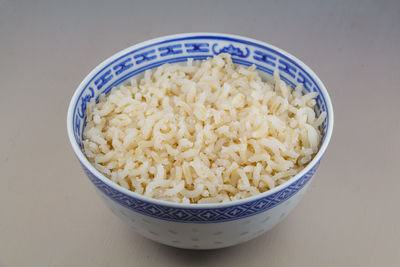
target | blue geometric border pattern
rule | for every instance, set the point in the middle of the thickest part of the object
(243, 52)
(202, 215)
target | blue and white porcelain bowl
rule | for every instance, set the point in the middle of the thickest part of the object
(198, 226)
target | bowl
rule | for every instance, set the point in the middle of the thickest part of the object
(198, 226)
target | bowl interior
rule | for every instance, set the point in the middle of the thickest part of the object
(137, 59)
(134, 60)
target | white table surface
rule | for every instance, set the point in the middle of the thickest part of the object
(50, 214)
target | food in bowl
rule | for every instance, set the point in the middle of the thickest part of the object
(204, 132)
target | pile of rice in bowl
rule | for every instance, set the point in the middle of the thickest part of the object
(204, 132)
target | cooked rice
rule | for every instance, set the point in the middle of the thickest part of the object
(205, 132)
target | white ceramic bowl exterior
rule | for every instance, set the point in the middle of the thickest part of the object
(198, 226)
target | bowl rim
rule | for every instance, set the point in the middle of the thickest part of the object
(82, 158)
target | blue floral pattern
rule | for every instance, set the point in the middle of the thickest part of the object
(230, 49)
